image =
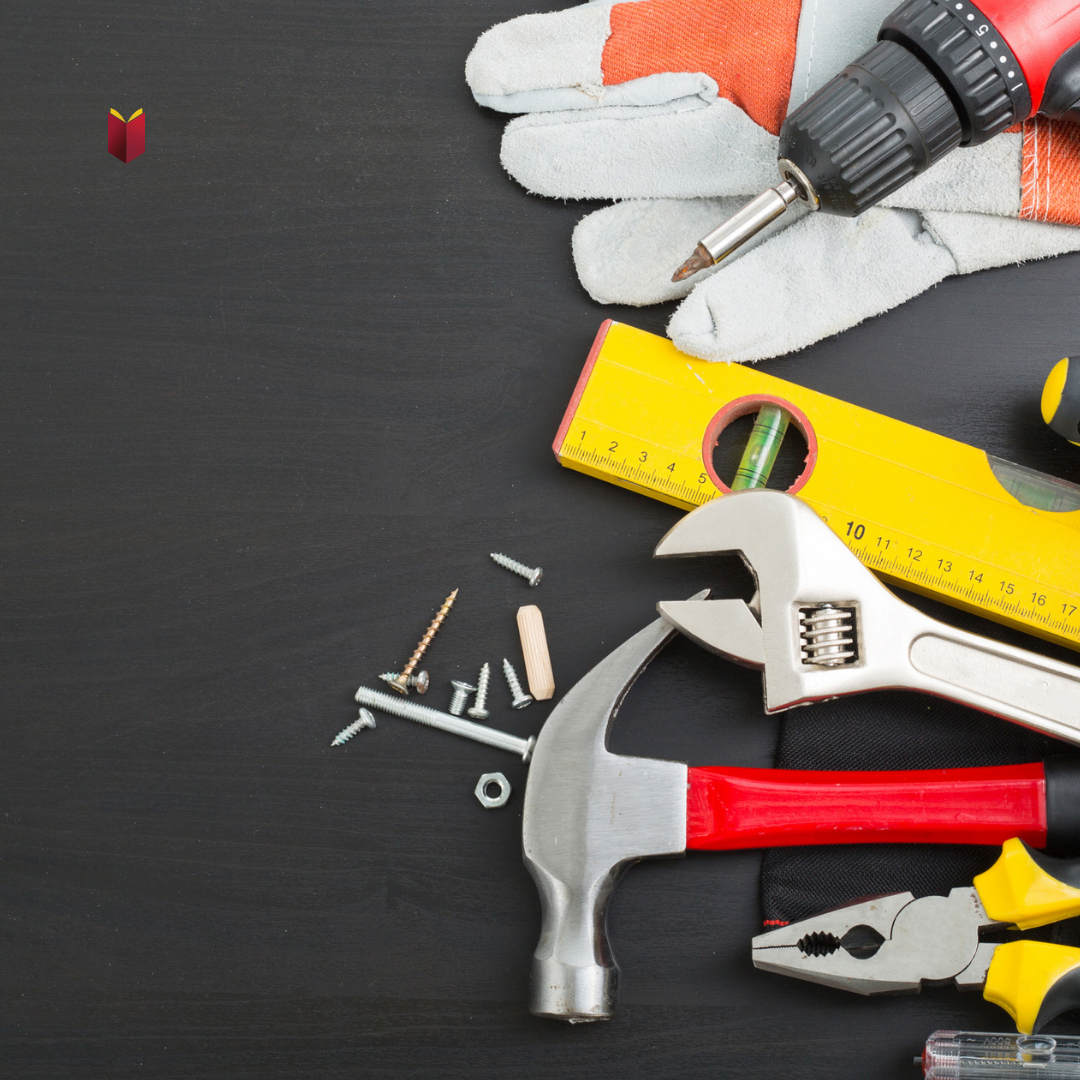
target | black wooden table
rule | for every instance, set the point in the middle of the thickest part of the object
(249, 445)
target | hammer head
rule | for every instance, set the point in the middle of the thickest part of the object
(588, 814)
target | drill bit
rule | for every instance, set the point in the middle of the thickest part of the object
(401, 683)
(733, 233)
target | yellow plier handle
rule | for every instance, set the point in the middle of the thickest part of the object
(1033, 981)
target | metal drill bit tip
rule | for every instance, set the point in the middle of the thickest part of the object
(730, 235)
(700, 260)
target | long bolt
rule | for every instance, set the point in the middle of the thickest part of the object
(521, 699)
(479, 710)
(445, 722)
(401, 683)
(366, 720)
(462, 690)
(532, 574)
(421, 680)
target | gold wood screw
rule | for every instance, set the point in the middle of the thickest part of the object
(401, 683)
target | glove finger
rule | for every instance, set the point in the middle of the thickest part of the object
(611, 54)
(981, 179)
(626, 253)
(813, 280)
(685, 149)
(978, 242)
(555, 51)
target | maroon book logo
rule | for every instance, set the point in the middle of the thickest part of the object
(127, 138)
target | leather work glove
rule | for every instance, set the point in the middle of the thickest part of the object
(672, 108)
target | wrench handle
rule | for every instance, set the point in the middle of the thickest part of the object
(1033, 690)
(727, 809)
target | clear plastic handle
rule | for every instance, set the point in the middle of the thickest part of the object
(985, 1055)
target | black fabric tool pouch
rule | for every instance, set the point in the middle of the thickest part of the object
(886, 730)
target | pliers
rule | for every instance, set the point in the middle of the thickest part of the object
(892, 944)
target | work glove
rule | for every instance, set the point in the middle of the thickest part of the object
(672, 108)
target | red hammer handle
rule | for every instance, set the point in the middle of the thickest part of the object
(756, 808)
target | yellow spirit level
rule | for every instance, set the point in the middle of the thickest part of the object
(923, 511)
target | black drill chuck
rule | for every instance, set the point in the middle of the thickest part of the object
(930, 84)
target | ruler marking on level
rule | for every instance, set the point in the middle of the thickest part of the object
(634, 473)
(983, 599)
(639, 394)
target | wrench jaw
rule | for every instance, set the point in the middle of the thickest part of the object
(799, 565)
(725, 627)
(885, 945)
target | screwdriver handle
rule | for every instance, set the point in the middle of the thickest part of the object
(976, 1055)
(732, 808)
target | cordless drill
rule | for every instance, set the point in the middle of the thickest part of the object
(943, 74)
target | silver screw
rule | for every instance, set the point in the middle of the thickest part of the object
(366, 720)
(521, 699)
(420, 681)
(445, 722)
(530, 573)
(462, 690)
(479, 710)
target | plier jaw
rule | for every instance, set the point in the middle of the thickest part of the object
(885, 945)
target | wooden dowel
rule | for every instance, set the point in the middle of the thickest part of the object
(535, 649)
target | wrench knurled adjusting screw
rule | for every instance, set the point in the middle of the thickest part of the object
(532, 574)
(462, 690)
(479, 710)
(401, 683)
(521, 699)
(828, 635)
(408, 710)
(366, 720)
(420, 681)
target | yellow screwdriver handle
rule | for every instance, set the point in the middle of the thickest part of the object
(1026, 888)
(1033, 981)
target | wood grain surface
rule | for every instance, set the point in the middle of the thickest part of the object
(269, 393)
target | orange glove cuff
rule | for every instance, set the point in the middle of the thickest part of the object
(747, 48)
(1050, 173)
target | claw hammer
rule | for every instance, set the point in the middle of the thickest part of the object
(589, 814)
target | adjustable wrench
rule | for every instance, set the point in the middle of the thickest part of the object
(821, 625)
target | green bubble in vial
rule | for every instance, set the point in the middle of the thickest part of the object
(759, 457)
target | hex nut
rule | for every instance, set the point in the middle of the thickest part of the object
(493, 802)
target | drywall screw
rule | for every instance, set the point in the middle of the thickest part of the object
(521, 699)
(421, 680)
(462, 690)
(478, 711)
(366, 720)
(445, 722)
(530, 573)
(401, 683)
